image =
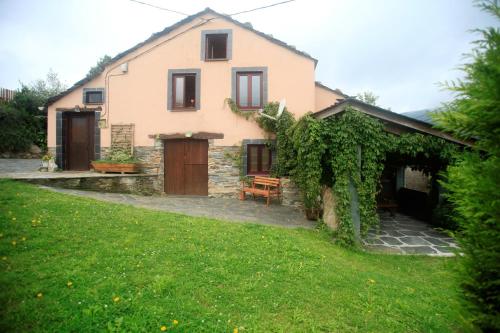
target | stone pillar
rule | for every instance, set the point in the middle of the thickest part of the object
(329, 215)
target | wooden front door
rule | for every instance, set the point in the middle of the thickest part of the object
(79, 140)
(186, 167)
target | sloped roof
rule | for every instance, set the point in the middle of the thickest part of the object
(336, 90)
(170, 29)
(386, 116)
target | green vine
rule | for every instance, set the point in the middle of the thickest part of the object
(247, 114)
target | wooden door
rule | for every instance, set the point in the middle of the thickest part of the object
(79, 143)
(186, 167)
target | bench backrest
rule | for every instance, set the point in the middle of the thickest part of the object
(267, 181)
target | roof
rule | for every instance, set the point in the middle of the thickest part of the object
(386, 116)
(422, 115)
(336, 90)
(169, 29)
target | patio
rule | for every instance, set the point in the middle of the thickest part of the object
(405, 235)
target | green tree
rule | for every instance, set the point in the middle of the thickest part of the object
(22, 123)
(99, 67)
(474, 180)
(368, 97)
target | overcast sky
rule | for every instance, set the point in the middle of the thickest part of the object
(398, 49)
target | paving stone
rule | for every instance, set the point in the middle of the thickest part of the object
(391, 240)
(411, 233)
(395, 233)
(446, 249)
(435, 241)
(413, 240)
(373, 241)
(418, 249)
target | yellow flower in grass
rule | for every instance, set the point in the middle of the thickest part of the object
(116, 299)
(23, 239)
(69, 284)
(14, 243)
(4, 258)
(163, 328)
(175, 322)
(13, 219)
(235, 330)
(39, 295)
(372, 281)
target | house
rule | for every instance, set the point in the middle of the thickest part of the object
(165, 100)
(168, 93)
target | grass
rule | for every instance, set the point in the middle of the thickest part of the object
(98, 266)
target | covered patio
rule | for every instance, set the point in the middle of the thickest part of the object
(403, 234)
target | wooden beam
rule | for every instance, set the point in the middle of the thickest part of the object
(197, 135)
(79, 109)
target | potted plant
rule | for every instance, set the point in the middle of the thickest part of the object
(46, 162)
(119, 160)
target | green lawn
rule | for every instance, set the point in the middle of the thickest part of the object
(131, 269)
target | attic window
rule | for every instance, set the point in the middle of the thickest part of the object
(216, 47)
(93, 96)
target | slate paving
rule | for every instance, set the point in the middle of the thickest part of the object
(403, 234)
(228, 209)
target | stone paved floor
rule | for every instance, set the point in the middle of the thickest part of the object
(232, 210)
(18, 165)
(405, 235)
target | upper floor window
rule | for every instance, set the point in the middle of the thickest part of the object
(216, 45)
(249, 90)
(184, 91)
(93, 96)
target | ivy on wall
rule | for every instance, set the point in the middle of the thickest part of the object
(347, 150)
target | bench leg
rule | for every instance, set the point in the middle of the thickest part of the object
(268, 199)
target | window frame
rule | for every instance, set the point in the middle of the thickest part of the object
(229, 44)
(207, 36)
(260, 148)
(174, 89)
(86, 91)
(171, 94)
(250, 90)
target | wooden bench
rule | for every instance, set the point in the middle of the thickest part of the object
(264, 187)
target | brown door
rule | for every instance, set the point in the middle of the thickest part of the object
(79, 143)
(186, 167)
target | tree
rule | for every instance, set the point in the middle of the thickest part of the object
(99, 67)
(22, 123)
(368, 97)
(474, 180)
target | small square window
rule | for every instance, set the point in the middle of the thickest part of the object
(216, 47)
(93, 97)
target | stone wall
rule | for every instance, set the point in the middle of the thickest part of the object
(134, 184)
(223, 172)
(291, 194)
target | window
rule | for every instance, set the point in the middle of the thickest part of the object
(93, 96)
(259, 159)
(184, 91)
(216, 47)
(249, 90)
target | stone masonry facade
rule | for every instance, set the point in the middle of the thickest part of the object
(223, 171)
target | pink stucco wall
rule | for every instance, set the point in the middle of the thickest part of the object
(140, 95)
(325, 97)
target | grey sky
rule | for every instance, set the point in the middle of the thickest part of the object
(399, 49)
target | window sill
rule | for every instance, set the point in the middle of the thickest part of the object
(183, 110)
(215, 60)
(99, 103)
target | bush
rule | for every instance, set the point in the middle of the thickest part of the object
(16, 130)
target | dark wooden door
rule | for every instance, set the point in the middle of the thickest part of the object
(186, 167)
(79, 147)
